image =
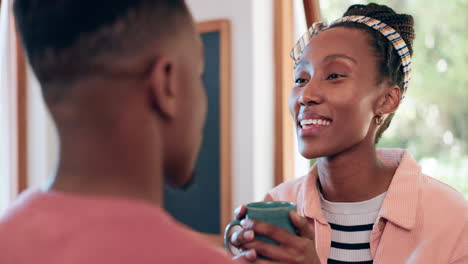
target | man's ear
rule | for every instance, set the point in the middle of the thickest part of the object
(390, 100)
(163, 87)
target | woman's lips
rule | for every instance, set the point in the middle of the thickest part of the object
(313, 124)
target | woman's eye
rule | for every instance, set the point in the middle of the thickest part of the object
(301, 80)
(334, 76)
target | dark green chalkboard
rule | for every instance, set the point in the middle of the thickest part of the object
(202, 205)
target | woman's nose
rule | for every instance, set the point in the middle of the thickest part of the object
(310, 95)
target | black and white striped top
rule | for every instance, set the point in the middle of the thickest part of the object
(351, 225)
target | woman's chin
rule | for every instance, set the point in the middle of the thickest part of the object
(312, 148)
(310, 154)
(315, 152)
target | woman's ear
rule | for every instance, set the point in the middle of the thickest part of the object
(163, 92)
(390, 100)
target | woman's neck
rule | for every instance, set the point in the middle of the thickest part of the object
(354, 175)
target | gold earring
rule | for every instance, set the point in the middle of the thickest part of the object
(379, 119)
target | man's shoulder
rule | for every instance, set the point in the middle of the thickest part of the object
(164, 241)
(116, 231)
(21, 211)
(156, 237)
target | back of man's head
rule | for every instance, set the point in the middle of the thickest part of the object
(69, 40)
(122, 80)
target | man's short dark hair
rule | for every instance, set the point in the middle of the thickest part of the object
(67, 40)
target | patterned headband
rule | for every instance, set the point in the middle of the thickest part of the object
(391, 34)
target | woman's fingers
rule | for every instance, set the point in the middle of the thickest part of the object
(249, 255)
(292, 248)
(277, 253)
(240, 211)
(241, 237)
(273, 232)
(302, 225)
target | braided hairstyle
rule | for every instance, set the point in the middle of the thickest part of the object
(388, 60)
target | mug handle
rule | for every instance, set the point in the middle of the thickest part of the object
(227, 242)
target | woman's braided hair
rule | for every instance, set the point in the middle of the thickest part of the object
(387, 58)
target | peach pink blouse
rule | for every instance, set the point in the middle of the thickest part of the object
(421, 220)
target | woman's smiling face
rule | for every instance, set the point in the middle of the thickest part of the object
(333, 101)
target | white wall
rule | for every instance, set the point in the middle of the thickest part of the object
(263, 104)
(42, 138)
(252, 100)
(8, 106)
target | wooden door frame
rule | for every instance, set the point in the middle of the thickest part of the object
(22, 116)
(283, 43)
(284, 130)
(312, 11)
(223, 26)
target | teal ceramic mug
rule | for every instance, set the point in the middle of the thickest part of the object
(276, 213)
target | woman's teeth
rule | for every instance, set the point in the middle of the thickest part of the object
(320, 122)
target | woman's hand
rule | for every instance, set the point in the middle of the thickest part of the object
(293, 249)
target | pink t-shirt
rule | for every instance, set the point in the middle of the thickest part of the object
(58, 228)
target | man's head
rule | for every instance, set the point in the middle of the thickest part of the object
(116, 62)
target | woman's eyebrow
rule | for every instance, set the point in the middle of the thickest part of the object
(301, 63)
(327, 59)
(339, 56)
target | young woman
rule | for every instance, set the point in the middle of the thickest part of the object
(358, 204)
